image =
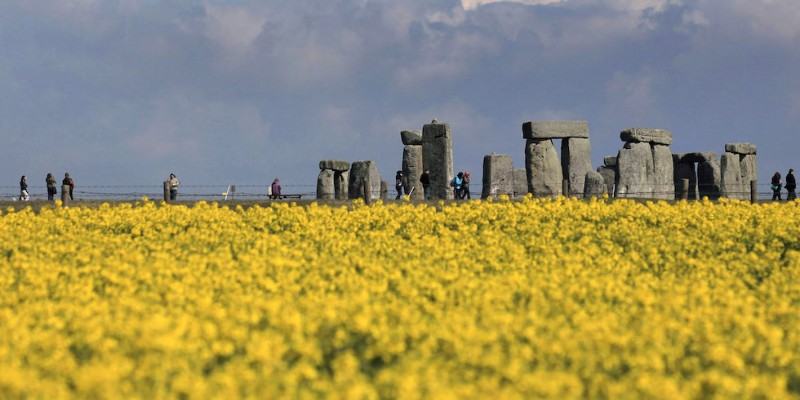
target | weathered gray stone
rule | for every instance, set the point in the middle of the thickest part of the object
(740, 148)
(555, 129)
(334, 165)
(663, 173)
(731, 177)
(520, 182)
(610, 161)
(384, 190)
(749, 168)
(340, 183)
(576, 161)
(437, 156)
(609, 175)
(709, 176)
(594, 184)
(325, 189)
(635, 171)
(358, 171)
(411, 138)
(412, 170)
(646, 135)
(498, 175)
(683, 171)
(543, 168)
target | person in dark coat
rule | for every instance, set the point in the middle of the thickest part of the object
(791, 185)
(69, 182)
(425, 180)
(23, 189)
(398, 184)
(50, 180)
(776, 186)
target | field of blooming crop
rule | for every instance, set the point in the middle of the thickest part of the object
(483, 299)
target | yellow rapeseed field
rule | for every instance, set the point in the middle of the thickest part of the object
(499, 300)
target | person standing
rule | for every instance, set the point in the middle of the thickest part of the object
(276, 189)
(465, 187)
(69, 182)
(23, 189)
(173, 183)
(398, 184)
(50, 180)
(456, 183)
(425, 180)
(791, 185)
(776, 186)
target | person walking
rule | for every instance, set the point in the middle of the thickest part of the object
(776, 186)
(173, 183)
(456, 183)
(425, 180)
(465, 187)
(398, 184)
(50, 180)
(791, 185)
(276, 189)
(23, 189)
(69, 182)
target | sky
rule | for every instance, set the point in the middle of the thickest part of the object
(123, 92)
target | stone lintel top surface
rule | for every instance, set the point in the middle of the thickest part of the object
(336, 165)
(555, 129)
(696, 157)
(646, 135)
(740, 148)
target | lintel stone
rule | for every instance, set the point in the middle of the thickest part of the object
(646, 135)
(555, 130)
(610, 161)
(411, 138)
(335, 165)
(740, 148)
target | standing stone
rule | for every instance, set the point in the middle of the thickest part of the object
(609, 175)
(749, 169)
(708, 178)
(635, 171)
(412, 170)
(520, 182)
(663, 173)
(340, 183)
(358, 171)
(684, 170)
(731, 185)
(576, 161)
(498, 175)
(384, 190)
(543, 168)
(437, 156)
(325, 186)
(594, 184)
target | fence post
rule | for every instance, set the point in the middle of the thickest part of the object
(565, 187)
(64, 195)
(753, 191)
(684, 189)
(166, 191)
(367, 190)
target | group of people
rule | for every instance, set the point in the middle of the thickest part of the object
(460, 185)
(777, 185)
(50, 180)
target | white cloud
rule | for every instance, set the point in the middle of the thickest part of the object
(235, 28)
(473, 4)
(772, 19)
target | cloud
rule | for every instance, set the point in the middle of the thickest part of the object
(235, 29)
(473, 4)
(633, 97)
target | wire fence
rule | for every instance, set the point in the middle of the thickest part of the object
(259, 191)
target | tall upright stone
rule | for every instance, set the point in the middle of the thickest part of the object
(663, 173)
(543, 168)
(325, 186)
(709, 176)
(437, 156)
(731, 185)
(684, 169)
(594, 184)
(520, 182)
(747, 162)
(635, 169)
(340, 184)
(412, 170)
(359, 170)
(498, 175)
(576, 161)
